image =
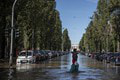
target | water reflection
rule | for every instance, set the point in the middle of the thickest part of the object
(24, 67)
(10, 74)
(117, 70)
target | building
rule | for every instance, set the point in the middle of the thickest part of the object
(75, 46)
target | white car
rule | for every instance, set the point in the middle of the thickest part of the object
(26, 57)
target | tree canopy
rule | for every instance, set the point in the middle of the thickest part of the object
(38, 23)
(103, 32)
(66, 41)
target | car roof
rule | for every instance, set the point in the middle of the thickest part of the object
(27, 51)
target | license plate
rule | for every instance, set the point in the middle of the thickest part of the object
(24, 61)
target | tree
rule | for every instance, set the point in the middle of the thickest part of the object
(38, 22)
(66, 41)
(102, 32)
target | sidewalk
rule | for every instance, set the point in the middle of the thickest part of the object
(3, 60)
(4, 63)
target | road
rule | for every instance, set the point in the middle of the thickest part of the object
(58, 69)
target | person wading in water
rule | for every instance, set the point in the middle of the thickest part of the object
(75, 65)
(74, 56)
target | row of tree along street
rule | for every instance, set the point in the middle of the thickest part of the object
(103, 32)
(37, 24)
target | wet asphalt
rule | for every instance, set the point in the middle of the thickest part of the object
(58, 69)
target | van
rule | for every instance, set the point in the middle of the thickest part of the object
(26, 57)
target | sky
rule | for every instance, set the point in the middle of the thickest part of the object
(75, 16)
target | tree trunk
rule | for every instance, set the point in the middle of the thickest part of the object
(118, 46)
(3, 38)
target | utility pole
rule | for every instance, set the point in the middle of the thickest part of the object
(12, 28)
(33, 39)
(62, 40)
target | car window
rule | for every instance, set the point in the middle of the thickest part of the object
(29, 54)
(41, 51)
(36, 52)
(22, 54)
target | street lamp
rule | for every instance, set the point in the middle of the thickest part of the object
(12, 28)
(62, 39)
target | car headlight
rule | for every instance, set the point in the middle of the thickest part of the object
(29, 58)
(18, 60)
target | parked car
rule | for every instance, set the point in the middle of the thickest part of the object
(38, 55)
(26, 57)
(116, 59)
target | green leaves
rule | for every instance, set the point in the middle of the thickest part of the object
(38, 21)
(103, 30)
(44, 24)
(66, 41)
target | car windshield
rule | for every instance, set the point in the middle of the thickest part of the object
(29, 54)
(41, 52)
(22, 54)
(36, 52)
(25, 54)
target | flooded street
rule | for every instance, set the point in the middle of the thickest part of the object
(58, 69)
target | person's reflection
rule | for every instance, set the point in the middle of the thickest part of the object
(117, 68)
(75, 76)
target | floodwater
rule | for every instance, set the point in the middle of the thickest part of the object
(58, 69)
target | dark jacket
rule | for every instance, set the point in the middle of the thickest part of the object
(74, 56)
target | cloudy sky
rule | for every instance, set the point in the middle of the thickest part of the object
(75, 16)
